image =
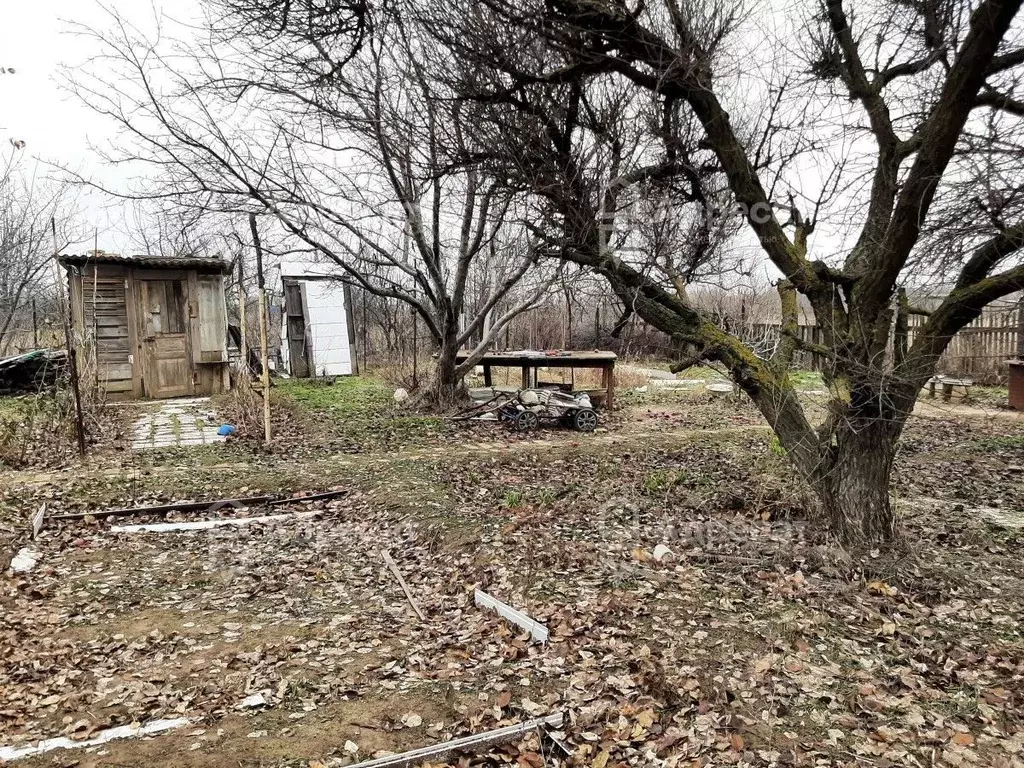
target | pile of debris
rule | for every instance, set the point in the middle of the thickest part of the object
(525, 410)
(32, 371)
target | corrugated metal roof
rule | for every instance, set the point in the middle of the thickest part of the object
(149, 261)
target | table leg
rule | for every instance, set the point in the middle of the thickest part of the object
(526, 377)
(487, 376)
(608, 380)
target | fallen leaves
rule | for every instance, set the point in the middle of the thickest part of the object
(881, 588)
(752, 643)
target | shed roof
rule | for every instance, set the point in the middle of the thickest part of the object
(149, 261)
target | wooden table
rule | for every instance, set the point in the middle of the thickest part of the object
(529, 360)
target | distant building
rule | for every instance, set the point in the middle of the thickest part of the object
(317, 335)
(150, 326)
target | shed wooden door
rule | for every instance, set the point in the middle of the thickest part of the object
(168, 364)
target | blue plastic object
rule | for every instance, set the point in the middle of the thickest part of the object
(226, 429)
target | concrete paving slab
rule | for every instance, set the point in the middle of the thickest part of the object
(171, 423)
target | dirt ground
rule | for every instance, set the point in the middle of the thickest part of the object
(752, 643)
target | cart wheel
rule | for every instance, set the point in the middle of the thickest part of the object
(525, 421)
(584, 420)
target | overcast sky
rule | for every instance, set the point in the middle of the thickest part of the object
(36, 39)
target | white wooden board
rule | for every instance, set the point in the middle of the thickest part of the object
(63, 742)
(202, 525)
(537, 630)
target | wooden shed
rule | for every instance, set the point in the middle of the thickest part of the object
(155, 326)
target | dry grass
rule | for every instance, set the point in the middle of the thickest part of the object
(40, 429)
(755, 623)
(24, 340)
(243, 405)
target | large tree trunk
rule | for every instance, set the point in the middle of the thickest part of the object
(852, 482)
(446, 386)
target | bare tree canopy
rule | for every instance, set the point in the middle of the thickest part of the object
(27, 205)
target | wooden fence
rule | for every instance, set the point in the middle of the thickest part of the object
(979, 351)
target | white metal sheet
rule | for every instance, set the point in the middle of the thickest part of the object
(328, 328)
(201, 525)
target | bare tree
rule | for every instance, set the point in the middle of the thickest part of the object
(900, 92)
(168, 230)
(352, 149)
(27, 205)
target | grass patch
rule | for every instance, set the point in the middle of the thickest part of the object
(513, 498)
(38, 429)
(699, 372)
(806, 380)
(998, 397)
(344, 395)
(539, 496)
(361, 411)
(1000, 443)
(660, 481)
(11, 407)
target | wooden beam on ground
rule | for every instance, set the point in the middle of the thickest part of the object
(163, 509)
(476, 743)
(306, 499)
(405, 587)
(201, 506)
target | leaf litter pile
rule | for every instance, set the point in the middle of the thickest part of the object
(695, 616)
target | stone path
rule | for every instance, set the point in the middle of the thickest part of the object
(183, 421)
